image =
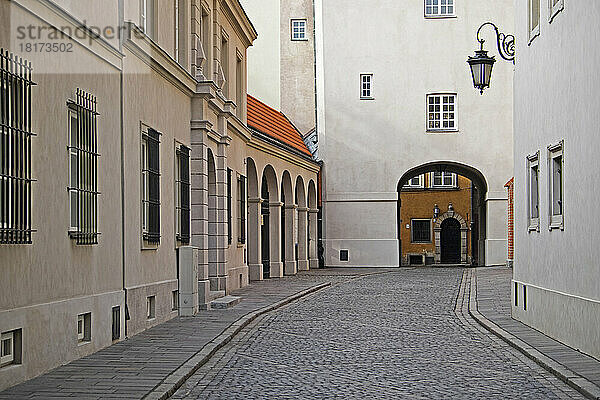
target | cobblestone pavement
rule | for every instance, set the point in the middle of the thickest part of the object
(395, 335)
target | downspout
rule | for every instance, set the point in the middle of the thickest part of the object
(122, 114)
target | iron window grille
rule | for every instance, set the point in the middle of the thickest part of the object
(241, 209)
(151, 186)
(229, 213)
(83, 168)
(421, 231)
(15, 149)
(182, 195)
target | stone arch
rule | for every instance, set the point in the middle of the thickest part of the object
(253, 240)
(212, 222)
(288, 223)
(437, 229)
(312, 226)
(479, 216)
(271, 226)
(302, 234)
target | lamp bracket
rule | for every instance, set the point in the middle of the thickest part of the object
(506, 43)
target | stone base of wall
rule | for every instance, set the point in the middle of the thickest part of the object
(55, 323)
(136, 302)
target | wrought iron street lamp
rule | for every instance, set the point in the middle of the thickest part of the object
(481, 64)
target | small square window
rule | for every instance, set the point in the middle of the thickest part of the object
(151, 307)
(366, 86)
(344, 255)
(416, 182)
(175, 300)
(299, 29)
(84, 327)
(116, 323)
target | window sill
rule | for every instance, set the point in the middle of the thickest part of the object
(367, 98)
(241, 245)
(534, 226)
(558, 224)
(299, 40)
(554, 12)
(441, 131)
(440, 16)
(82, 343)
(533, 34)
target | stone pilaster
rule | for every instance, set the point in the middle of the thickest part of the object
(313, 257)
(302, 239)
(255, 267)
(275, 263)
(291, 267)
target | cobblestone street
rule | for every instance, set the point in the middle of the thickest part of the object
(393, 335)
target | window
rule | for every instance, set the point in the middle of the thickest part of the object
(439, 8)
(15, 150)
(420, 230)
(524, 297)
(182, 194)
(83, 168)
(344, 255)
(533, 208)
(150, 307)
(533, 10)
(366, 86)
(116, 323)
(441, 112)
(147, 17)
(443, 179)
(239, 83)
(225, 63)
(150, 164)
(516, 294)
(299, 29)
(241, 209)
(7, 348)
(555, 169)
(175, 300)
(84, 327)
(229, 205)
(555, 6)
(416, 182)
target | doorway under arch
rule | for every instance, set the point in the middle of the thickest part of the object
(472, 227)
(450, 242)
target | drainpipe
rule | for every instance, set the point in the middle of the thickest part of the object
(122, 114)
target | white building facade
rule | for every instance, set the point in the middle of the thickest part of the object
(556, 287)
(395, 100)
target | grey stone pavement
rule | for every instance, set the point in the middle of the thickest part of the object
(134, 367)
(405, 334)
(494, 302)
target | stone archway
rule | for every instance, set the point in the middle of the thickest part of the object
(437, 230)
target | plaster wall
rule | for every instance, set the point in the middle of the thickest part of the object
(556, 89)
(264, 67)
(48, 283)
(367, 145)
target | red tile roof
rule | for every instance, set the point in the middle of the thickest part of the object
(275, 124)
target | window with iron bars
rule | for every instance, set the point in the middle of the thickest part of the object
(182, 195)
(83, 168)
(15, 149)
(150, 186)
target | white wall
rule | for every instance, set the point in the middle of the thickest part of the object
(556, 98)
(264, 55)
(367, 145)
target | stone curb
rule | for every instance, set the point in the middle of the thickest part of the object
(576, 381)
(176, 379)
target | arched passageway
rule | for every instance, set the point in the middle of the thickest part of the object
(464, 243)
(271, 225)
(212, 223)
(312, 226)
(302, 231)
(255, 202)
(288, 222)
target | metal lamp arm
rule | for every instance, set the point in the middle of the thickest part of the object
(506, 43)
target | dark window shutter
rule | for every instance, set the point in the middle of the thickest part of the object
(153, 186)
(184, 170)
(229, 233)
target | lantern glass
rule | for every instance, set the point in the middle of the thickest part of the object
(481, 69)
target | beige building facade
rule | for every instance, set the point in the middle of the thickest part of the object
(556, 278)
(396, 100)
(142, 155)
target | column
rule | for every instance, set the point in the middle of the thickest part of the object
(302, 239)
(255, 267)
(313, 258)
(290, 250)
(222, 238)
(275, 238)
